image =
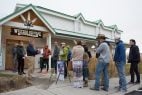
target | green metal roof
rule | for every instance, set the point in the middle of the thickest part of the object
(75, 16)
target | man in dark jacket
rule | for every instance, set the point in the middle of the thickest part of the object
(134, 59)
(14, 56)
(20, 57)
(31, 52)
(120, 61)
(55, 56)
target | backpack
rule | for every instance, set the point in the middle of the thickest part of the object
(69, 54)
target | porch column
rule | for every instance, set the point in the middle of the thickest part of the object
(48, 42)
(1, 62)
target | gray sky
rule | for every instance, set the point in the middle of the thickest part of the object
(126, 14)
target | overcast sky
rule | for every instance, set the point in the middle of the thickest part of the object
(126, 14)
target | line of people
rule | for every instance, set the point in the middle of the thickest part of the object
(19, 55)
(103, 56)
(80, 52)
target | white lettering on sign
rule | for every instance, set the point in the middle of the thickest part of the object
(22, 32)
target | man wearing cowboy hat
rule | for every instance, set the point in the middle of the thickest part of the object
(103, 55)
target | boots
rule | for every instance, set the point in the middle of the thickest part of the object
(85, 83)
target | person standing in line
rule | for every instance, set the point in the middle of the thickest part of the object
(86, 50)
(85, 69)
(46, 53)
(103, 56)
(77, 55)
(31, 52)
(55, 56)
(14, 57)
(120, 61)
(86, 58)
(69, 55)
(63, 56)
(20, 57)
(134, 59)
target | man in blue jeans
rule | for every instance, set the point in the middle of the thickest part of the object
(103, 55)
(120, 61)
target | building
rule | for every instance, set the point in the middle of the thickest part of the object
(44, 26)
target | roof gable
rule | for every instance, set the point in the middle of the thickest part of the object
(75, 17)
(23, 10)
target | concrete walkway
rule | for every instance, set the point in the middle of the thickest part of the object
(65, 88)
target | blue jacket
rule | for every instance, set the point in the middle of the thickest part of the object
(120, 52)
(31, 51)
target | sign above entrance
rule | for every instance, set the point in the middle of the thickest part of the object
(24, 32)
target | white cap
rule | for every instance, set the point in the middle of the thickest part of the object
(117, 37)
(63, 43)
(93, 46)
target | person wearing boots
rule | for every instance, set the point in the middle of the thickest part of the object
(46, 53)
(103, 55)
(20, 57)
(85, 69)
(14, 56)
(134, 59)
(55, 56)
(77, 55)
(31, 52)
(63, 56)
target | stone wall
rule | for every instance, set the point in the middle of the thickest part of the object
(12, 83)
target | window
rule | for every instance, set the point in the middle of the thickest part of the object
(79, 26)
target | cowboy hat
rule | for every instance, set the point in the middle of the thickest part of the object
(101, 36)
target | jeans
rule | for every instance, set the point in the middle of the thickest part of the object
(102, 67)
(85, 70)
(54, 63)
(121, 73)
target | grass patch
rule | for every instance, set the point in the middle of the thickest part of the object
(5, 75)
(127, 68)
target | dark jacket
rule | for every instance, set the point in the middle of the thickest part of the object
(134, 54)
(20, 51)
(31, 51)
(56, 53)
(87, 51)
(120, 52)
(14, 51)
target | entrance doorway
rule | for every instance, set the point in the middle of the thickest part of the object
(9, 58)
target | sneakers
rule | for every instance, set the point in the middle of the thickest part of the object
(130, 82)
(137, 82)
(104, 89)
(85, 84)
(123, 91)
(39, 72)
(94, 89)
(23, 73)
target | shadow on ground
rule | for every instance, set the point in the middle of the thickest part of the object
(138, 92)
(134, 93)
